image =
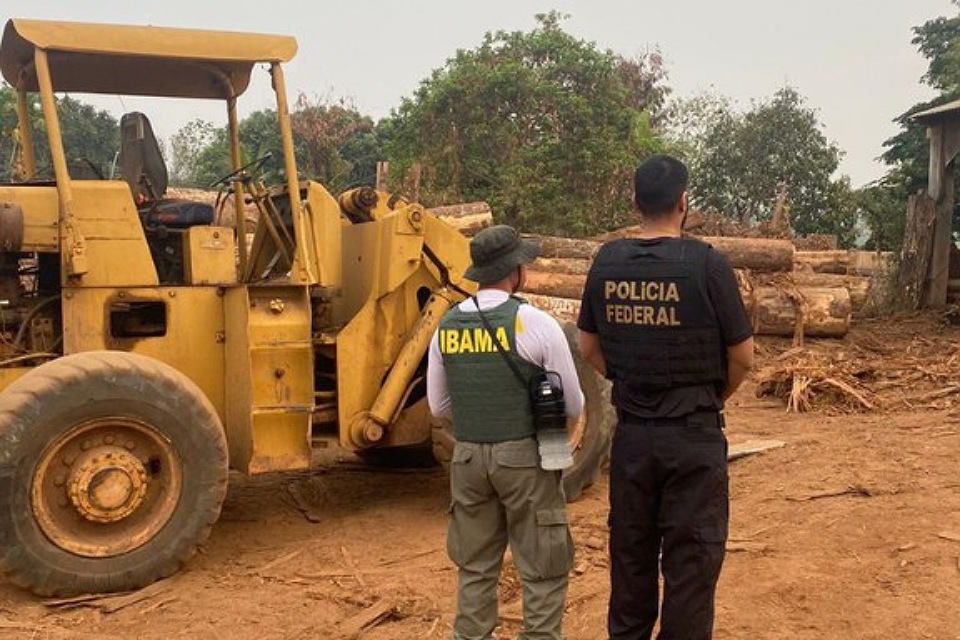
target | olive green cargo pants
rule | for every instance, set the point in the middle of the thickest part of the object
(499, 493)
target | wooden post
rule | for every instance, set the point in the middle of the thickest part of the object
(383, 176)
(944, 145)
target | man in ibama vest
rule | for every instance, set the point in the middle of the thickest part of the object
(499, 492)
(662, 317)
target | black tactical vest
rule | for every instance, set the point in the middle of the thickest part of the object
(657, 327)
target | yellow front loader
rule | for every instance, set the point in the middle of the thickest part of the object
(148, 344)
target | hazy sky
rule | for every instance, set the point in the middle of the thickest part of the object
(851, 59)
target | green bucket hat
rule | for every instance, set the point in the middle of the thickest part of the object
(496, 251)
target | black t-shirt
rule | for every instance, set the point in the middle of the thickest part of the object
(735, 327)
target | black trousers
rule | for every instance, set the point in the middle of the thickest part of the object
(669, 509)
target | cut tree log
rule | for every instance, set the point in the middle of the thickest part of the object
(563, 309)
(761, 255)
(462, 210)
(825, 311)
(823, 261)
(469, 217)
(574, 266)
(822, 312)
(557, 247)
(859, 287)
(469, 225)
(557, 285)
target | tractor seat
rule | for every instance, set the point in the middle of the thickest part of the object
(175, 213)
(145, 172)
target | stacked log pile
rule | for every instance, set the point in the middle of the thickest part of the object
(787, 292)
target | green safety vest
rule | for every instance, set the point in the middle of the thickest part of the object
(489, 403)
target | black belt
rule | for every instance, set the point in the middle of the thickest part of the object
(681, 421)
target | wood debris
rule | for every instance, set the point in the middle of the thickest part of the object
(353, 627)
(111, 603)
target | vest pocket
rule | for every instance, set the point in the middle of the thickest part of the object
(554, 544)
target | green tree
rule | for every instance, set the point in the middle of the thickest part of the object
(543, 126)
(336, 144)
(187, 147)
(907, 153)
(333, 144)
(90, 137)
(742, 161)
(881, 206)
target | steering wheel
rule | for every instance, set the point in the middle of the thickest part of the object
(238, 174)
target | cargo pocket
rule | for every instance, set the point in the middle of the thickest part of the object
(554, 544)
(454, 544)
(713, 521)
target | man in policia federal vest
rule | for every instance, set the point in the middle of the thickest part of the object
(662, 317)
(499, 492)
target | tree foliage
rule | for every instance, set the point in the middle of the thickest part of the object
(334, 144)
(741, 161)
(91, 137)
(543, 126)
(907, 153)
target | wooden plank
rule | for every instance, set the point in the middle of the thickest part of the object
(751, 447)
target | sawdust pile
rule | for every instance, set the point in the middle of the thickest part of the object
(890, 364)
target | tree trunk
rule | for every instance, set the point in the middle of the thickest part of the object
(468, 225)
(563, 309)
(573, 266)
(761, 255)
(917, 250)
(558, 285)
(825, 311)
(557, 247)
(462, 210)
(823, 261)
(859, 287)
(801, 311)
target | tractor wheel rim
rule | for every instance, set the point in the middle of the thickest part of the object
(106, 486)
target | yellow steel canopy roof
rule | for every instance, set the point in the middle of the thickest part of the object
(135, 60)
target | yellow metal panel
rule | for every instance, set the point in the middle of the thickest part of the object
(9, 375)
(278, 375)
(139, 60)
(269, 364)
(281, 440)
(193, 343)
(40, 216)
(209, 256)
(116, 248)
(360, 254)
(326, 225)
(278, 315)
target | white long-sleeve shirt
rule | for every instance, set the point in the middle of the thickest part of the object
(539, 340)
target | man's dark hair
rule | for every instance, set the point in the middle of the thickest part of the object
(658, 184)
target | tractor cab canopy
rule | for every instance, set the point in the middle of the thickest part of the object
(132, 60)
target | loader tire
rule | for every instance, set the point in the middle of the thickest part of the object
(113, 469)
(590, 437)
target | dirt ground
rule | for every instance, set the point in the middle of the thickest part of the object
(851, 530)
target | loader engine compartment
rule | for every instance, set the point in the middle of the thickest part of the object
(30, 318)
